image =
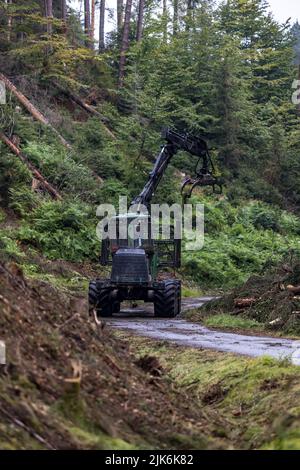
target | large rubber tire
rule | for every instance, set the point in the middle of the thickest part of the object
(167, 301)
(93, 295)
(99, 300)
(178, 298)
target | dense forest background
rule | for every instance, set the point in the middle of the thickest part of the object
(223, 71)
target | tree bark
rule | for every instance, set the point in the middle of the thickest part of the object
(189, 11)
(119, 15)
(125, 43)
(30, 108)
(35, 173)
(64, 10)
(175, 17)
(92, 33)
(49, 15)
(101, 25)
(139, 30)
(87, 22)
(9, 21)
(165, 23)
(64, 15)
(298, 105)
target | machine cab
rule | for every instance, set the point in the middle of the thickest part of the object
(134, 231)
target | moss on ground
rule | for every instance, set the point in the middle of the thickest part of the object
(255, 401)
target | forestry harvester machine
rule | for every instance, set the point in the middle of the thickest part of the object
(136, 263)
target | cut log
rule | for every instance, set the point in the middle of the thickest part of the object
(89, 109)
(35, 173)
(293, 289)
(244, 303)
(31, 109)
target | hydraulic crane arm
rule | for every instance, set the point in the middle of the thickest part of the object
(161, 163)
(175, 142)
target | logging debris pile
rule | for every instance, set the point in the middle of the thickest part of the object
(272, 299)
(68, 384)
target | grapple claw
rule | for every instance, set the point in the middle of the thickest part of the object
(190, 184)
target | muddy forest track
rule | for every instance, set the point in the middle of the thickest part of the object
(140, 321)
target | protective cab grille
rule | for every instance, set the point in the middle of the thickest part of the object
(130, 266)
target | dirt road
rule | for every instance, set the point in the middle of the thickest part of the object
(139, 321)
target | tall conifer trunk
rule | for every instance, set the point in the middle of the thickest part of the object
(101, 25)
(125, 42)
(139, 31)
(49, 14)
(87, 22)
(119, 15)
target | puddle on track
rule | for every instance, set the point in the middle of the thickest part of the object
(183, 333)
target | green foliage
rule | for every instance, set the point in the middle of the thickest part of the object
(226, 382)
(2, 215)
(62, 171)
(224, 321)
(22, 200)
(240, 241)
(225, 74)
(262, 216)
(9, 247)
(61, 231)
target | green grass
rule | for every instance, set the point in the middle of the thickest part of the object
(224, 321)
(255, 401)
(187, 291)
(98, 440)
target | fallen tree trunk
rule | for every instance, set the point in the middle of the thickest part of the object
(35, 173)
(32, 109)
(89, 109)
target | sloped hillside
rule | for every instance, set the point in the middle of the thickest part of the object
(70, 385)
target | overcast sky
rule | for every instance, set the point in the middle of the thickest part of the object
(282, 10)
